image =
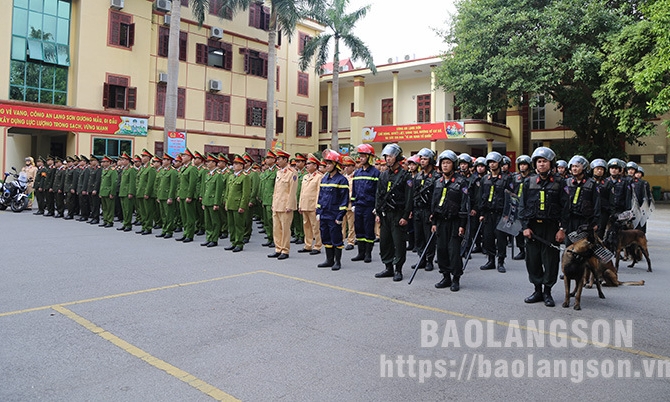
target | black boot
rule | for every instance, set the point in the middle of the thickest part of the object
(338, 259)
(501, 265)
(490, 264)
(548, 300)
(536, 296)
(456, 284)
(361, 251)
(429, 265)
(329, 258)
(397, 276)
(368, 252)
(445, 282)
(520, 256)
(387, 273)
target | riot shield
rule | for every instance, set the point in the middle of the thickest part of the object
(509, 222)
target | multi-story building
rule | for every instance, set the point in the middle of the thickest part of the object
(88, 77)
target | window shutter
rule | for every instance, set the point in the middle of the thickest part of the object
(208, 106)
(201, 53)
(181, 102)
(266, 18)
(105, 95)
(252, 15)
(264, 57)
(265, 112)
(246, 60)
(227, 56)
(183, 45)
(226, 109)
(250, 111)
(163, 37)
(115, 31)
(131, 101)
(277, 79)
(131, 35)
(160, 99)
(309, 129)
(279, 125)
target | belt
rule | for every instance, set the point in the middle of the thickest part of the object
(539, 221)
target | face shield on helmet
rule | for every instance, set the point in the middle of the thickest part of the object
(465, 158)
(523, 159)
(598, 163)
(506, 160)
(542, 152)
(562, 164)
(632, 165)
(579, 160)
(616, 163)
(493, 157)
(447, 154)
(426, 153)
(480, 161)
(393, 150)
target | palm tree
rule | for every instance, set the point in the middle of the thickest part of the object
(284, 14)
(198, 7)
(339, 26)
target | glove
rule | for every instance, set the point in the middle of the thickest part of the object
(353, 208)
(318, 218)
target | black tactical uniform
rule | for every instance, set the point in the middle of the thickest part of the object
(543, 212)
(393, 203)
(48, 184)
(604, 201)
(40, 189)
(450, 208)
(424, 184)
(82, 192)
(583, 206)
(517, 186)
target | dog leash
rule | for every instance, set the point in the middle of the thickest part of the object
(545, 242)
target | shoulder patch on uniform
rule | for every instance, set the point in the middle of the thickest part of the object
(410, 183)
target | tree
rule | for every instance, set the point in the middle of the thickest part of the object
(171, 93)
(506, 49)
(284, 14)
(340, 26)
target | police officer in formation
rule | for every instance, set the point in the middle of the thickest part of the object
(363, 193)
(523, 163)
(424, 184)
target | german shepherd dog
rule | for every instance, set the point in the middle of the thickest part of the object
(618, 239)
(578, 263)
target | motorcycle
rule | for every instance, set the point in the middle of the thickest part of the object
(13, 194)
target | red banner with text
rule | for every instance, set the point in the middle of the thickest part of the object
(415, 132)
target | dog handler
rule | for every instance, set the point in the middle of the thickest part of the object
(542, 216)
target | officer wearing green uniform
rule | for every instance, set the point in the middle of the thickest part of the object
(267, 188)
(198, 161)
(166, 196)
(107, 189)
(212, 188)
(224, 171)
(157, 217)
(145, 193)
(186, 196)
(40, 180)
(237, 204)
(255, 179)
(127, 191)
(93, 189)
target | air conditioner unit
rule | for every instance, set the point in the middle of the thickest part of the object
(166, 19)
(215, 85)
(163, 5)
(162, 78)
(216, 33)
(116, 4)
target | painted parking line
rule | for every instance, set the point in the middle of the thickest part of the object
(133, 293)
(175, 372)
(468, 316)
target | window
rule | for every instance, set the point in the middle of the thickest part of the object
(112, 147)
(215, 54)
(303, 84)
(277, 79)
(304, 127)
(457, 110)
(423, 109)
(303, 38)
(161, 95)
(216, 149)
(164, 40)
(158, 148)
(121, 29)
(635, 158)
(661, 159)
(538, 114)
(387, 112)
(324, 118)
(215, 7)
(117, 94)
(279, 124)
(258, 154)
(40, 51)
(259, 16)
(217, 107)
(256, 113)
(255, 63)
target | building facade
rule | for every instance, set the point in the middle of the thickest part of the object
(88, 77)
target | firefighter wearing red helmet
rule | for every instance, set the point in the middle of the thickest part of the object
(331, 208)
(364, 189)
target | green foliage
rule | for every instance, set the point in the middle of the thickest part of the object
(504, 50)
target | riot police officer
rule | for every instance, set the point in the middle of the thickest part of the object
(598, 168)
(450, 208)
(542, 216)
(424, 184)
(584, 197)
(490, 205)
(393, 205)
(617, 187)
(523, 171)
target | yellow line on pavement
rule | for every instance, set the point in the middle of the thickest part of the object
(176, 372)
(468, 316)
(136, 292)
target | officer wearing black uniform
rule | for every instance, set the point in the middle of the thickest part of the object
(584, 197)
(49, 182)
(490, 205)
(450, 207)
(598, 168)
(475, 190)
(39, 185)
(393, 205)
(523, 171)
(424, 184)
(542, 214)
(618, 188)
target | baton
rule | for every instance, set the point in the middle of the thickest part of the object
(472, 246)
(421, 258)
(545, 242)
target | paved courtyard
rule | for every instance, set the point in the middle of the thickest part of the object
(93, 314)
